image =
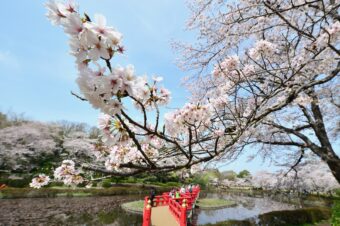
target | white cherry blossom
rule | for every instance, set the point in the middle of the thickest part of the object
(40, 181)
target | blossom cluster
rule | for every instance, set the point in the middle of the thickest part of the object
(68, 174)
(303, 100)
(120, 155)
(149, 97)
(124, 154)
(120, 149)
(195, 169)
(113, 131)
(195, 115)
(65, 173)
(331, 34)
(40, 181)
(91, 42)
(262, 48)
(226, 67)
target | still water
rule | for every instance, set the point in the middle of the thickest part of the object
(250, 205)
(107, 210)
(247, 207)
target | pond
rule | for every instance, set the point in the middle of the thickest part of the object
(103, 210)
(249, 206)
(107, 211)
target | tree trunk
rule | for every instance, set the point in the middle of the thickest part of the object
(334, 165)
(326, 152)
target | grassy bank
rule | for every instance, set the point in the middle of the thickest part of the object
(335, 194)
(135, 206)
(215, 203)
(74, 192)
(336, 213)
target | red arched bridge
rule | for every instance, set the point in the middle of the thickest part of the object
(168, 211)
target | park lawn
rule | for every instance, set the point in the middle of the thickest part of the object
(215, 203)
(136, 206)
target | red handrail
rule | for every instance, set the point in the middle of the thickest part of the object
(147, 212)
(178, 207)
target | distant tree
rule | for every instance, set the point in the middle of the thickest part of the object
(312, 176)
(11, 119)
(230, 175)
(3, 120)
(243, 174)
(69, 127)
(264, 180)
(94, 133)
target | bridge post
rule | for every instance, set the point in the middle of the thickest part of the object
(183, 219)
(147, 214)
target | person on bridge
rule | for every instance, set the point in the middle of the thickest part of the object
(172, 193)
(152, 195)
(177, 195)
(182, 190)
(190, 188)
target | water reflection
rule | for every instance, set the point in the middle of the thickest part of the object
(251, 205)
(68, 211)
(115, 217)
(107, 211)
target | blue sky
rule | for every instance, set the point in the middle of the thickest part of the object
(37, 73)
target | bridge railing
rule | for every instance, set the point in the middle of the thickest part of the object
(179, 211)
(178, 207)
(147, 212)
(160, 200)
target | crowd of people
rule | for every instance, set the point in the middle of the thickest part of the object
(175, 193)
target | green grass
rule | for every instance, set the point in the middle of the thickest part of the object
(134, 206)
(72, 192)
(336, 212)
(215, 203)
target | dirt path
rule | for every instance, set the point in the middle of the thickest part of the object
(161, 216)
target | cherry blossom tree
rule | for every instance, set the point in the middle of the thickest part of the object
(312, 176)
(264, 180)
(271, 68)
(274, 73)
(187, 137)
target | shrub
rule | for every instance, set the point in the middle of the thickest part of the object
(172, 184)
(130, 180)
(199, 180)
(106, 183)
(16, 183)
(55, 184)
(336, 213)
